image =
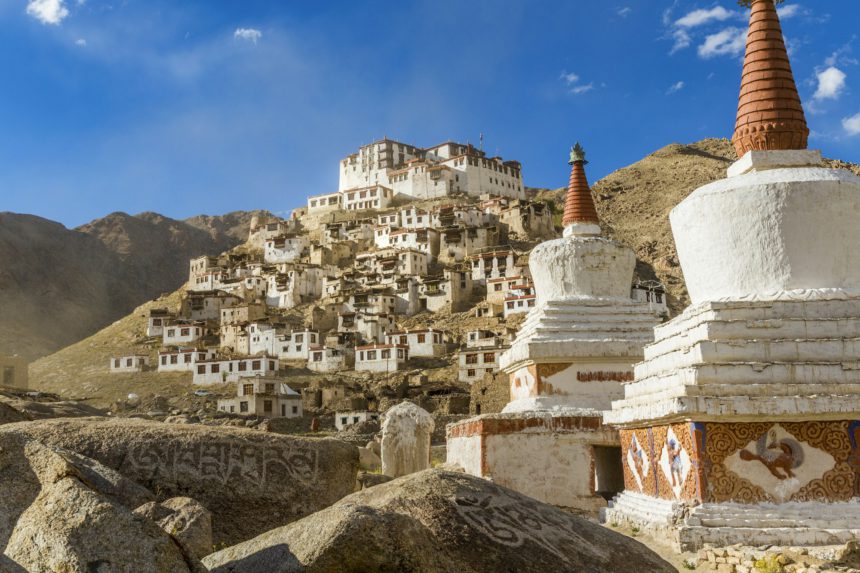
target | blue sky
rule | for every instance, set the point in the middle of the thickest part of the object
(208, 106)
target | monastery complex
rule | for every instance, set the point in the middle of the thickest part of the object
(735, 422)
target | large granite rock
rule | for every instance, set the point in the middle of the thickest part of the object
(62, 513)
(185, 519)
(10, 415)
(438, 522)
(250, 481)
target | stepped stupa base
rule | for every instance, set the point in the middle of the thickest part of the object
(797, 524)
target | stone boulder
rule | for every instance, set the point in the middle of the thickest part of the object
(185, 519)
(10, 415)
(406, 434)
(54, 516)
(251, 481)
(48, 410)
(439, 522)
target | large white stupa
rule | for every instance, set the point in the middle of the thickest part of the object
(743, 423)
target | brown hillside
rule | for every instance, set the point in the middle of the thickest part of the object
(59, 285)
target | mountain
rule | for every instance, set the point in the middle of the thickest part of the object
(59, 285)
(634, 204)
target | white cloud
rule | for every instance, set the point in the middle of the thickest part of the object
(789, 11)
(248, 34)
(701, 17)
(682, 40)
(676, 87)
(624, 12)
(569, 78)
(831, 84)
(80, 42)
(728, 42)
(48, 11)
(852, 124)
(578, 90)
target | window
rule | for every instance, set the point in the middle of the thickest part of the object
(300, 338)
(184, 332)
(243, 406)
(256, 364)
(247, 389)
(267, 406)
(201, 369)
(129, 362)
(489, 357)
(270, 388)
(216, 368)
(471, 359)
(343, 421)
(232, 409)
(422, 338)
(386, 354)
(497, 287)
(470, 373)
(371, 355)
(243, 366)
(171, 333)
(174, 359)
(272, 363)
(402, 340)
(164, 360)
(355, 419)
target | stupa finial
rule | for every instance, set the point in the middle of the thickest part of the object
(579, 204)
(770, 115)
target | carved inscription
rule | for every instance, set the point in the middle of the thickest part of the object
(252, 464)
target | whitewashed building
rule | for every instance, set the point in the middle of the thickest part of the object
(424, 343)
(381, 357)
(130, 363)
(156, 321)
(286, 248)
(182, 359)
(326, 359)
(366, 198)
(493, 264)
(324, 203)
(231, 370)
(343, 420)
(180, 333)
(474, 363)
(263, 397)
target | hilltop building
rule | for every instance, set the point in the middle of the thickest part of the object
(743, 423)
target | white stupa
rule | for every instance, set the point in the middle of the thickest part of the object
(743, 423)
(569, 360)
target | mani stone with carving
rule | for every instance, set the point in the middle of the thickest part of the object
(743, 423)
(569, 360)
(406, 434)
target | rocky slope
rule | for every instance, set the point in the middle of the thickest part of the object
(634, 203)
(60, 285)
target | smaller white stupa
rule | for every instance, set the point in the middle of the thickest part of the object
(574, 352)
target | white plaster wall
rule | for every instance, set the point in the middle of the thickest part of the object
(765, 232)
(576, 266)
(553, 468)
(466, 453)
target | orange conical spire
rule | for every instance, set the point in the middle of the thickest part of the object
(579, 204)
(770, 116)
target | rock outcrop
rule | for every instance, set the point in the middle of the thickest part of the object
(61, 512)
(438, 522)
(10, 415)
(185, 519)
(250, 481)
